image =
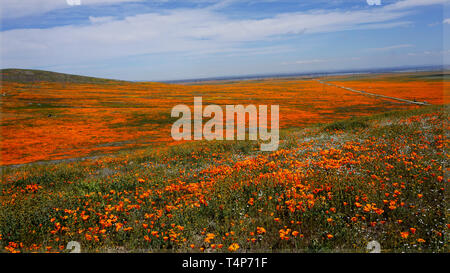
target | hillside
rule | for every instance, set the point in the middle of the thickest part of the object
(328, 188)
(48, 120)
(32, 75)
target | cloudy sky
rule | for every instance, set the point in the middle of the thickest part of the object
(181, 39)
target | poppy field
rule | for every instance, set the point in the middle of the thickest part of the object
(350, 168)
(51, 119)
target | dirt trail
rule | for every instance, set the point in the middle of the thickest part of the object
(375, 95)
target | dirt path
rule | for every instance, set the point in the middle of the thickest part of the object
(375, 95)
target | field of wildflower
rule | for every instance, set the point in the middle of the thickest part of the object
(350, 169)
(51, 119)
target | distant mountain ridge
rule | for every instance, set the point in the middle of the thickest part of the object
(34, 75)
(31, 75)
(314, 74)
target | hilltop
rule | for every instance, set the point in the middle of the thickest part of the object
(32, 75)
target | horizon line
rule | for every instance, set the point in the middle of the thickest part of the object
(336, 72)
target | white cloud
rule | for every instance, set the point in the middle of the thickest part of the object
(313, 61)
(101, 20)
(446, 21)
(291, 23)
(428, 53)
(175, 31)
(392, 47)
(187, 31)
(321, 61)
(21, 8)
(409, 4)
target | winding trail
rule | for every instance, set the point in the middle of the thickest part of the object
(373, 94)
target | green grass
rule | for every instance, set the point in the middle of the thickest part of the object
(397, 77)
(347, 125)
(33, 75)
(401, 153)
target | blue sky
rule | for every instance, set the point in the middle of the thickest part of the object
(170, 39)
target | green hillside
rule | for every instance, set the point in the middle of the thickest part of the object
(31, 75)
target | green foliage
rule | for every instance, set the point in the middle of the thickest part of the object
(316, 188)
